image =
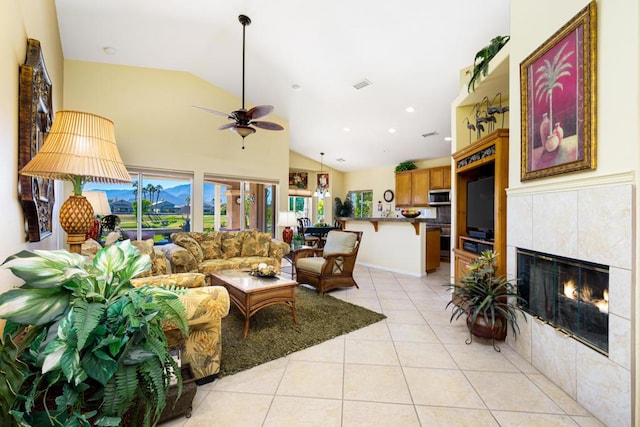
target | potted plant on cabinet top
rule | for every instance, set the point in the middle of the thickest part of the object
(81, 343)
(489, 303)
(405, 166)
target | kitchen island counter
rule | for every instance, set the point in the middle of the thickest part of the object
(388, 243)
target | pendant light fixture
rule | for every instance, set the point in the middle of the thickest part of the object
(322, 190)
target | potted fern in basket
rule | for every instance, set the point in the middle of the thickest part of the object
(489, 303)
(81, 343)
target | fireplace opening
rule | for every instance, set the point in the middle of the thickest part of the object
(569, 294)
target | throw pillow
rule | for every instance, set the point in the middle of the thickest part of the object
(256, 244)
(189, 243)
(339, 242)
(89, 248)
(232, 244)
(211, 245)
(158, 261)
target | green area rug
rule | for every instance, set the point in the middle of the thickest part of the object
(272, 333)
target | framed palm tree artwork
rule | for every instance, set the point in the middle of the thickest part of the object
(558, 93)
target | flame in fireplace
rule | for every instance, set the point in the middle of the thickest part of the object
(569, 289)
(586, 295)
(603, 304)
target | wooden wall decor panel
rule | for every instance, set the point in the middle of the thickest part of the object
(35, 118)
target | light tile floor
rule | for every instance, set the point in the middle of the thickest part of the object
(411, 369)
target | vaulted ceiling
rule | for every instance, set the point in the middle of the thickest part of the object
(304, 58)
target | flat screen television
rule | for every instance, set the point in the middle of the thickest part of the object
(480, 203)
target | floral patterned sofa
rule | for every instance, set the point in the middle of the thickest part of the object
(223, 250)
(205, 305)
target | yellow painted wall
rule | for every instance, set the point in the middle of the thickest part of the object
(19, 20)
(300, 163)
(157, 127)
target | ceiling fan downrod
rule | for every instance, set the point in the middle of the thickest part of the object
(244, 20)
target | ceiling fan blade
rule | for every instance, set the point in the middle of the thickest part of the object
(266, 125)
(227, 126)
(259, 111)
(208, 110)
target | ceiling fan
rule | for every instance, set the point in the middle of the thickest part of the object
(244, 121)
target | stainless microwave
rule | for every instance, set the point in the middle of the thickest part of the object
(439, 197)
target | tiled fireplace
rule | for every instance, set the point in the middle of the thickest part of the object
(582, 229)
(568, 294)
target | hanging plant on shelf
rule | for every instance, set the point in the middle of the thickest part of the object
(482, 59)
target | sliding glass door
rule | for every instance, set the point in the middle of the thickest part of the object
(238, 204)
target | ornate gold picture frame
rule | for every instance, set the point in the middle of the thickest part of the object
(558, 98)
(35, 118)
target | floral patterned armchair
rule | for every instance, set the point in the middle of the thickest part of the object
(205, 305)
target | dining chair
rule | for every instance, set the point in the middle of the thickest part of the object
(309, 240)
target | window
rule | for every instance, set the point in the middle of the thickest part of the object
(155, 205)
(242, 204)
(300, 205)
(362, 202)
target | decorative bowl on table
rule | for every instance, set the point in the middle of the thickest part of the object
(263, 270)
(410, 214)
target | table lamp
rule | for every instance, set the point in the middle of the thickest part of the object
(287, 220)
(81, 147)
(100, 205)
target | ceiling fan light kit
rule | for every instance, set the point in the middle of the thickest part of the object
(244, 121)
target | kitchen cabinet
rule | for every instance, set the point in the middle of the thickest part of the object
(440, 178)
(412, 188)
(432, 254)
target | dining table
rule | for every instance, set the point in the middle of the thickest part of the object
(320, 231)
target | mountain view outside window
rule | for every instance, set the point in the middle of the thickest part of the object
(153, 206)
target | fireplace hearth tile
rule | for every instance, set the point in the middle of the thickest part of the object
(522, 345)
(608, 243)
(603, 388)
(554, 354)
(555, 225)
(520, 221)
(620, 285)
(620, 341)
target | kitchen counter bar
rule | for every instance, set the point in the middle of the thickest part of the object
(429, 224)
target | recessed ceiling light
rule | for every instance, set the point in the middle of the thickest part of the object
(410, 109)
(109, 50)
(392, 130)
(447, 138)
(347, 129)
(296, 87)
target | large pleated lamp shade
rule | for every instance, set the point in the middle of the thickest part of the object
(81, 147)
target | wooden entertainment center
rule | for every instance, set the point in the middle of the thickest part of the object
(488, 156)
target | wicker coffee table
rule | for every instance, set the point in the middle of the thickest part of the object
(251, 294)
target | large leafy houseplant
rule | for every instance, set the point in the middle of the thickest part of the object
(81, 343)
(489, 303)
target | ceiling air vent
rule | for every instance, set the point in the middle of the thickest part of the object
(362, 84)
(426, 135)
